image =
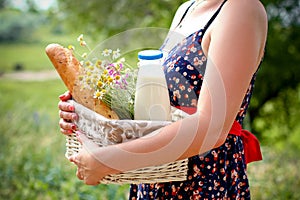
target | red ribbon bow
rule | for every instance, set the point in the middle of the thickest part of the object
(251, 144)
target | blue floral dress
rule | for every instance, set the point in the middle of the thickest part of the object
(221, 172)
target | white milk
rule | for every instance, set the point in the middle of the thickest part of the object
(151, 97)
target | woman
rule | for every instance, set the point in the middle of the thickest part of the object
(226, 40)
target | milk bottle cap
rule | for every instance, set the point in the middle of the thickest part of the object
(150, 54)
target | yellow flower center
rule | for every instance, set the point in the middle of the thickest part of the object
(98, 63)
(110, 79)
(117, 77)
(88, 73)
(87, 63)
(97, 94)
(80, 77)
(100, 84)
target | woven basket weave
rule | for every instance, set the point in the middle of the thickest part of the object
(105, 132)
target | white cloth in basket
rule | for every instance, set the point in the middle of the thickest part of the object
(105, 132)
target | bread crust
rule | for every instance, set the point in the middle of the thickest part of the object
(68, 68)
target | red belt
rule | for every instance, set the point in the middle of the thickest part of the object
(251, 144)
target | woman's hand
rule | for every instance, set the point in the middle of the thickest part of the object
(67, 114)
(89, 169)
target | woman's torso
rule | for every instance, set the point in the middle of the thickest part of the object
(221, 172)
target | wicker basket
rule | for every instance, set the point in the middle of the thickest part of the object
(108, 132)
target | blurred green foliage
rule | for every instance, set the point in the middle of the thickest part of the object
(280, 71)
(277, 176)
(32, 162)
(17, 26)
(111, 17)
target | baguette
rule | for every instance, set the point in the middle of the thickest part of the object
(68, 68)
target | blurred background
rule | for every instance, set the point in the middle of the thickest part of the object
(32, 163)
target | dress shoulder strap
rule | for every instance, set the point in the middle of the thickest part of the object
(186, 11)
(213, 17)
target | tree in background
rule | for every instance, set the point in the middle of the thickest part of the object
(2, 4)
(111, 17)
(18, 24)
(275, 110)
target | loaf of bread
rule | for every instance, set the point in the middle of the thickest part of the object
(68, 68)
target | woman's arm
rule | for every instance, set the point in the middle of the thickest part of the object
(237, 39)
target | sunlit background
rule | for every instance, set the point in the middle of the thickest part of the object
(23, 5)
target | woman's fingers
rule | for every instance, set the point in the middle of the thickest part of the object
(66, 132)
(68, 116)
(79, 174)
(66, 96)
(66, 106)
(89, 180)
(66, 127)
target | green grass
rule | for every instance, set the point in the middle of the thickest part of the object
(32, 162)
(31, 54)
(277, 176)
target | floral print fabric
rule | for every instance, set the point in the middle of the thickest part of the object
(219, 174)
(184, 69)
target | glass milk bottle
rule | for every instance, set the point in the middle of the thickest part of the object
(151, 96)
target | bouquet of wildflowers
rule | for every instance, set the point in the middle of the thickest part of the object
(110, 77)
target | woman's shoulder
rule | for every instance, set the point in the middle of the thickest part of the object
(249, 13)
(241, 21)
(246, 8)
